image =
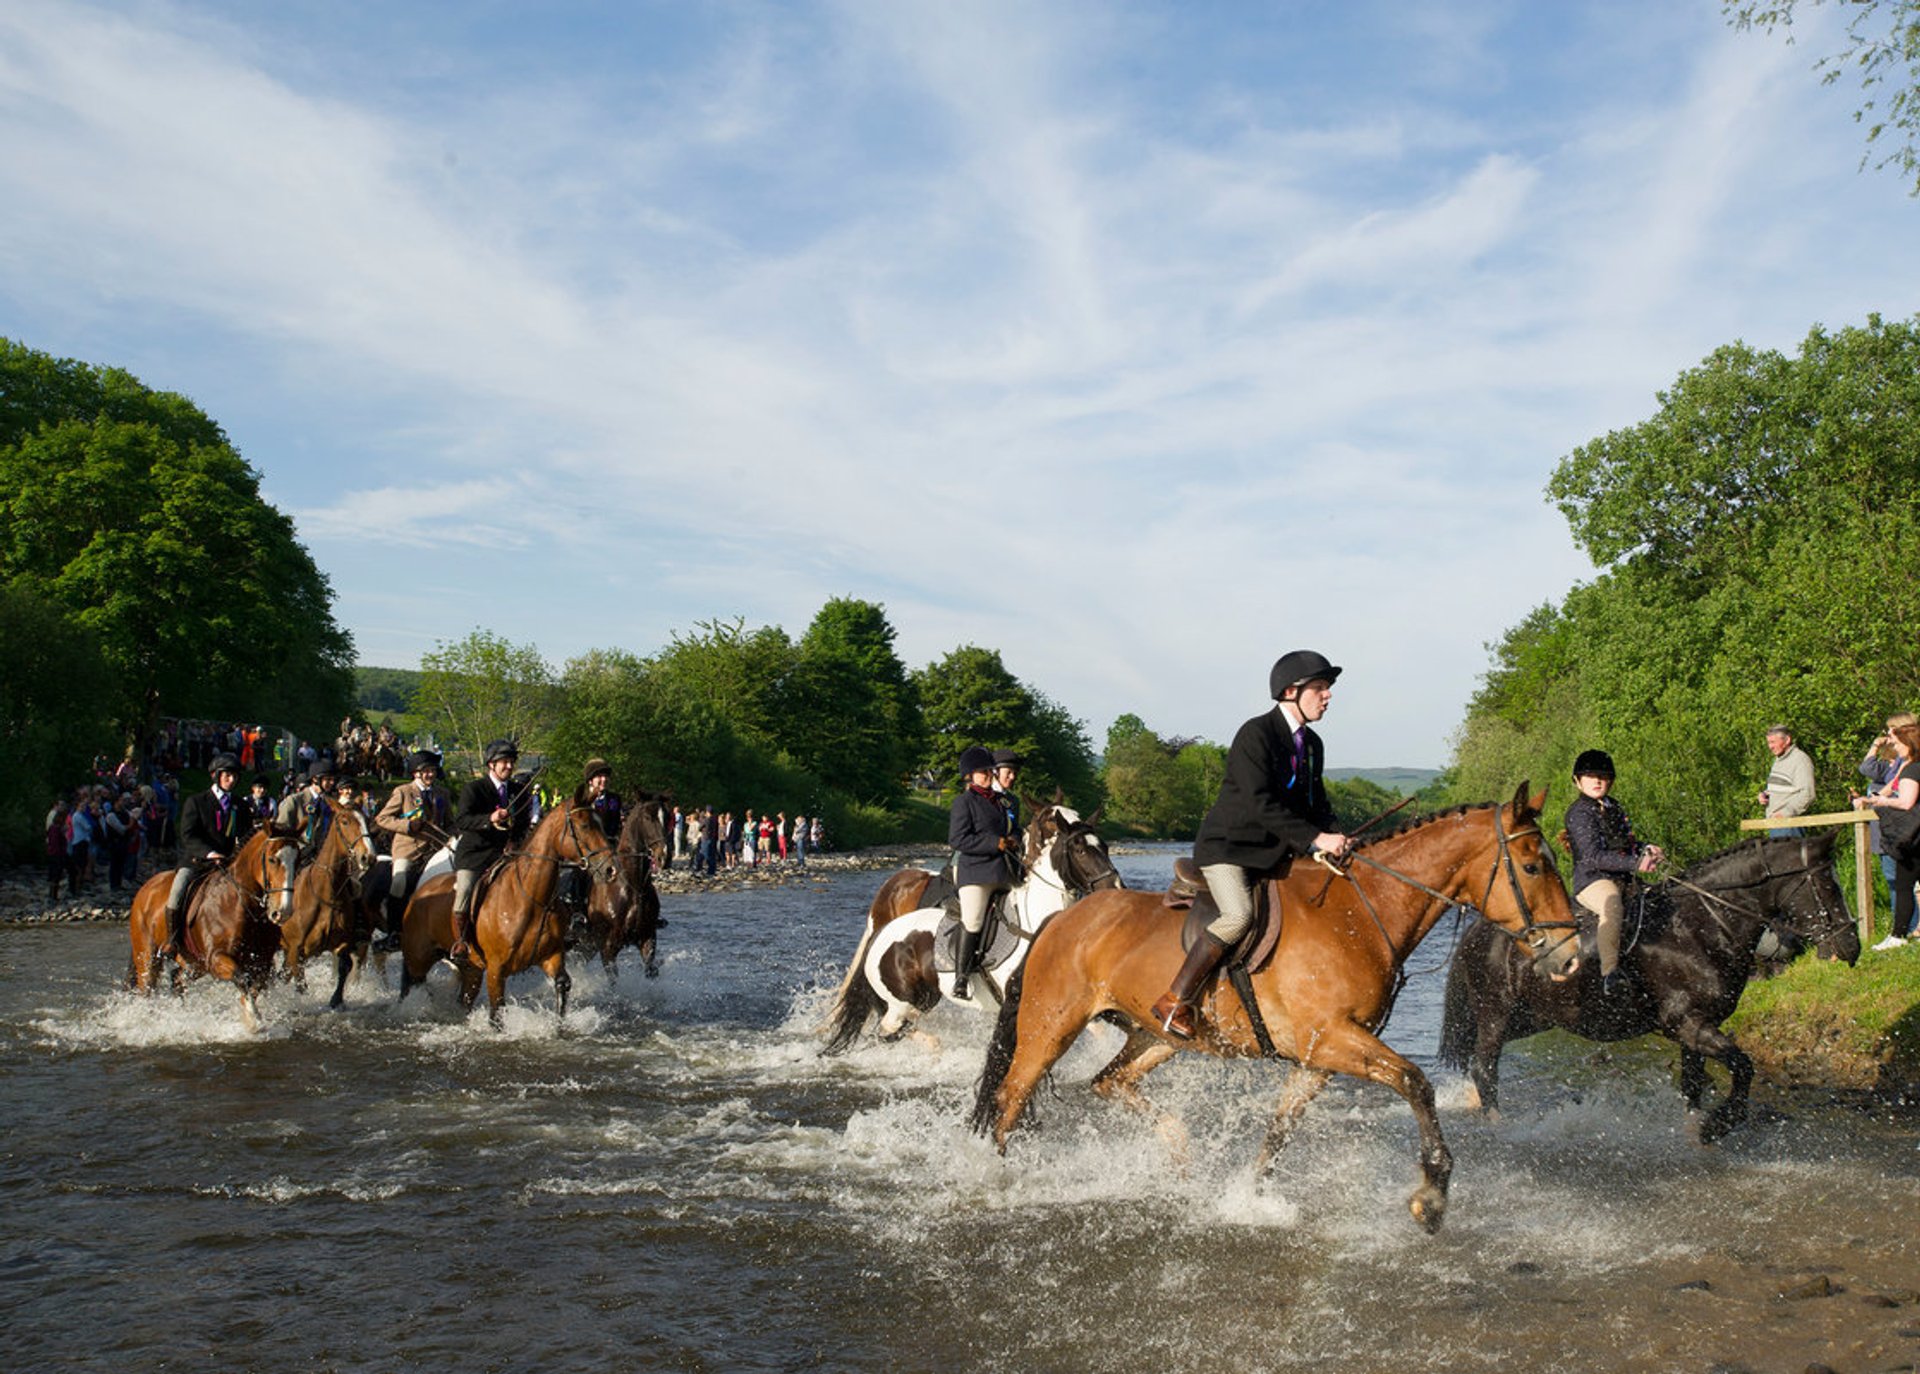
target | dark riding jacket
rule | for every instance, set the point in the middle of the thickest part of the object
(480, 841)
(1601, 838)
(977, 825)
(1272, 805)
(202, 832)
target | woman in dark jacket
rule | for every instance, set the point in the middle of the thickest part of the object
(1605, 851)
(984, 842)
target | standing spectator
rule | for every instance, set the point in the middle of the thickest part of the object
(816, 835)
(80, 836)
(679, 851)
(1877, 766)
(697, 841)
(57, 849)
(1900, 792)
(113, 839)
(766, 838)
(1789, 789)
(749, 831)
(780, 835)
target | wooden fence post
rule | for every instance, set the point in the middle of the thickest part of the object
(1862, 853)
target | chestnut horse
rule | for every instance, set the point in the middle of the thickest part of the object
(516, 920)
(628, 913)
(226, 932)
(326, 913)
(1324, 994)
(1683, 973)
(894, 971)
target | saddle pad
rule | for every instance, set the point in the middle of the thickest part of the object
(1255, 948)
(999, 942)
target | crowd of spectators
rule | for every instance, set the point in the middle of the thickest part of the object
(716, 841)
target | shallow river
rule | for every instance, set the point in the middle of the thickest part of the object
(674, 1179)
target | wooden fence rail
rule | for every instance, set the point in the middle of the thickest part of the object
(1862, 852)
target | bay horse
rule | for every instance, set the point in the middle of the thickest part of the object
(893, 972)
(326, 913)
(628, 912)
(1324, 994)
(1684, 971)
(226, 932)
(516, 920)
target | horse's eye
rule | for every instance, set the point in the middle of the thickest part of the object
(1531, 870)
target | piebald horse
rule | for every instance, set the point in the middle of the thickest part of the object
(226, 932)
(893, 970)
(1324, 994)
(516, 920)
(324, 911)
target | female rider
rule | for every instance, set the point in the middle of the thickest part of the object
(1603, 844)
(984, 863)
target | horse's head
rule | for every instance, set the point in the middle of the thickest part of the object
(580, 840)
(350, 840)
(1525, 896)
(1070, 848)
(1808, 900)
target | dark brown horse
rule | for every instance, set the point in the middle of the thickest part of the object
(227, 933)
(326, 914)
(516, 919)
(1684, 968)
(1324, 994)
(628, 912)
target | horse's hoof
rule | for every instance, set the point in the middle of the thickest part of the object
(1429, 1208)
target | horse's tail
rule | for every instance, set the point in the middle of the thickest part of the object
(1460, 1022)
(853, 1002)
(1006, 1036)
(855, 1005)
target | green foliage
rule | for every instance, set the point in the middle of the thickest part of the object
(853, 712)
(969, 698)
(1159, 787)
(1883, 50)
(1755, 540)
(54, 682)
(484, 688)
(129, 509)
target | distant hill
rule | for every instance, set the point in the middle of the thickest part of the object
(384, 691)
(1405, 781)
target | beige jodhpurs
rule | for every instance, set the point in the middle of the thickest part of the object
(975, 898)
(1602, 898)
(1232, 889)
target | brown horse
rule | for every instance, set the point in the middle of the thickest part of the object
(326, 911)
(628, 912)
(517, 922)
(227, 932)
(1324, 994)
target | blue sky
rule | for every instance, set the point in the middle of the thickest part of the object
(1140, 342)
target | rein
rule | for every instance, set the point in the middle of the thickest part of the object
(1042, 873)
(1805, 873)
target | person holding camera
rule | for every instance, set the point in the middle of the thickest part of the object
(1895, 800)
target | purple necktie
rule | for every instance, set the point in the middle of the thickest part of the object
(1299, 753)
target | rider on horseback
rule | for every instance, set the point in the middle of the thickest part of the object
(1006, 770)
(492, 814)
(212, 825)
(415, 816)
(1603, 844)
(606, 808)
(986, 857)
(1272, 809)
(301, 825)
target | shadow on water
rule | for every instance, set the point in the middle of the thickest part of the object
(673, 1178)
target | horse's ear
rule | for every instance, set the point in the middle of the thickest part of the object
(1525, 808)
(1031, 804)
(1098, 812)
(1059, 797)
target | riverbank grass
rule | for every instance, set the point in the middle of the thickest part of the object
(1820, 1022)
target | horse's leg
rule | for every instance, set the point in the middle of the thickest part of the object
(250, 1009)
(1045, 1035)
(556, 969)
(496, 990)
(343, 966)
(1483, 1065)
(1302, 1086)
(1698, 1039)
(1119, 1082)
(1346, 1047)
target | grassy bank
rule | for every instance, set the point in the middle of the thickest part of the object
(1824, 1023)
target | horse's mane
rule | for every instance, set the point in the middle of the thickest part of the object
(1429, 818)
(1747, 848)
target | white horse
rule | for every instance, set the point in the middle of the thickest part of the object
(894, 971)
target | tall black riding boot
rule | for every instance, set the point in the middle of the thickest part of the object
(963, 962)
(1173, 1013)
(176, 931)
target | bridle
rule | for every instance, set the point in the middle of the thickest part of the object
(1532, 933)
(1047, 875)
(1769, 874)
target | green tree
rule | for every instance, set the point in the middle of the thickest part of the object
(1152, 784)
(853, 714)
(1882, 48)
(128, 508)
(1751, 541)
(483, 688)
(54, 683)
(969, 697)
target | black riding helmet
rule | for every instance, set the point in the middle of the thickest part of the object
(502, 749)
(1302, 665)
(976, 759)
(1593, 763)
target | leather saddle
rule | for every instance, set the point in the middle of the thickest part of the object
(1188, 892)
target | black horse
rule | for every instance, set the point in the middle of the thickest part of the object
(628, 912)
(1691, 951)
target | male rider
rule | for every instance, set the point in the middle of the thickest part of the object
(492, 814)
(1271, 810)
(300, 825)
(212, 825)
(415, 819)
